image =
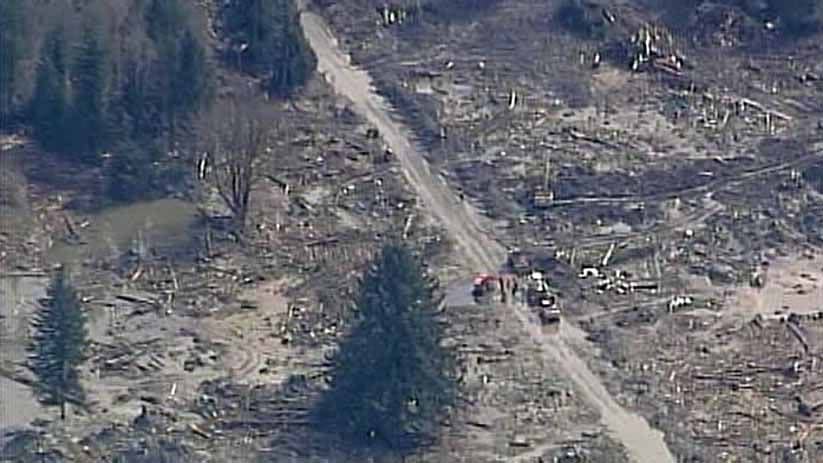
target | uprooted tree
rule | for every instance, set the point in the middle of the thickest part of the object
(59, 344)
(391, 380)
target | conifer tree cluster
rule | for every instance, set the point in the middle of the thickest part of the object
(266, 41)
(11, 50)
(392, 380)
(59, 344)
(86, 124)
(86, 100)
(67, 108)
(49, 103)
(128, 80)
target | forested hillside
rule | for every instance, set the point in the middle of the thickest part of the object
(121, 84)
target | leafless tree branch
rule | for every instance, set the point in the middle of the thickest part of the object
(236, 147)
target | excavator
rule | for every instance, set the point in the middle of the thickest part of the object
(540, 299)
(518, 262)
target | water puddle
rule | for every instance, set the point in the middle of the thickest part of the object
(164, 223)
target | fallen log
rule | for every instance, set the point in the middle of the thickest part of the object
(195, 429)
(136, 299)
(478, 424)
(322, 242)
(795, 330)
(28, 274)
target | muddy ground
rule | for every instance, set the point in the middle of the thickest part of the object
(693, 198)
(475, 246)
(188, 326)
(174, 300)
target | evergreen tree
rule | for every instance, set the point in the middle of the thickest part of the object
(293, 60)
(190, 82)
(164, 20)
(54, 49)
(167, 66)
(136, 116)
(138, 172)
(88, 119)
(268, 41)
(59, 344)
(252, 23)
(11, 34)
(131, 172)
(48, 104)
(184, 77)
(391, 379)
(192, 85)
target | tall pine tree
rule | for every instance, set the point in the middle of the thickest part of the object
(164, 20)
(184, 78)
(88, 117)
(293, 60)
(11, 43)
(49, 103)
(131, 173)
(268, 41)
(251, 27)
(192, 85)
(391, 380)
(59, 344)
(136, 116)
(190, 82)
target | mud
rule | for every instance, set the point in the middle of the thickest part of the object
(480, 251)
(18, 301)
(136, 228)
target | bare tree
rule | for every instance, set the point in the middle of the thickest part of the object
(235, 150)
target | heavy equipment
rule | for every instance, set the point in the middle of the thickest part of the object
(540, 299)
(518, 262)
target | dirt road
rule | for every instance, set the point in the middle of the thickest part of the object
(480, 250)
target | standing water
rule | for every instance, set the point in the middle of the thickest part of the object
(138, 227)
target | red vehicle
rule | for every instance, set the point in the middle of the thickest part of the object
(484, 287)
